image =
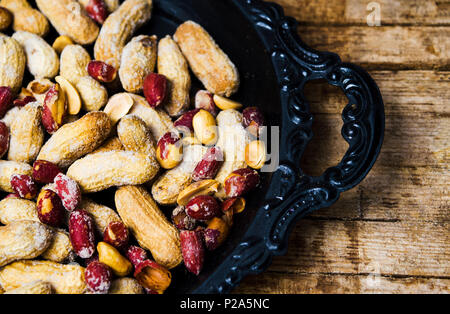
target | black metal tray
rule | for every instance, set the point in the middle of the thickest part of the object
(274, 65)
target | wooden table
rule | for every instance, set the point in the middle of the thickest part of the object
(391, 233)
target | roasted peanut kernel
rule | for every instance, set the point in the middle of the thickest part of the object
(169, 152)
(203, 207)
(82, 237)
(215, 233)
(241, 181)
(225, 103)
(210, 164)
(236, 205)
(136, 255)
(116, 234)
(184, 123)
(205, 100)
(50, 209)
(181, 220)
(205, 127)
(68, 190)
(153, 276)
(6, 99)
(155, 89)
(97, 10)
(253, 120)
(4, 138)
(98, 277)
(24, 186)
(204, 187)
(255, 154)
(55, 107)
(72, 95)
(193, 251)
(45, 171)
(101, 71)
(61, 42)
(109, 256)
(118, 106)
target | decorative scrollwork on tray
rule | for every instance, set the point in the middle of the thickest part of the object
(291, 194)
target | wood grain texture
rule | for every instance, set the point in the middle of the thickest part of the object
(391, 233)
(345, 12)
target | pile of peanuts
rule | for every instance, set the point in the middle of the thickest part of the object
(123, 121)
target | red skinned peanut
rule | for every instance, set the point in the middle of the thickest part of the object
(193, 251)
(81, 229)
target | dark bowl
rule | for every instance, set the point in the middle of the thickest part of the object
(274, 65)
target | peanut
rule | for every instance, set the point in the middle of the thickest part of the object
(42, 60)
(157, 120)
(168, 186)
(118, 28)
(72, 95)
(135, 135)
(241, 181)
(205, 127)
(35, 287)
(60, 249)
(62, 42)
(12, 63)
(255, 154)
(102, 215)
(173, 65)
(208, 62)
(76, 139)
(138, 60)
(98, 277)
(102, 71)
(140, 213)
(68, 18)
(27, 134)
(111, 5)
(118, 106)
(14, 208)
(7, 169)
(74, 62)
(111, 144)
(126, 286)
(169, 151)
(233, 139)
(6, 18)
(65, 279)
(225, 104)
(93, 94)
(109, 256)
(23, 239)
(26, 18)
(97, 172)
(155, 89)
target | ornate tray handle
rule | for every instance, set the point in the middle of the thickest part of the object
(293, 194)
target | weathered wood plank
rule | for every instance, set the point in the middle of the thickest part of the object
(410, 12)
(278, 283)
(362, 247)
(384, 48)
(418, 194)
(410, 140)
(404, 92)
